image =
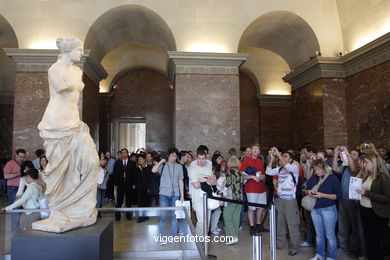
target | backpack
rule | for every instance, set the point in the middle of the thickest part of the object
(155, 183)
(298, 191)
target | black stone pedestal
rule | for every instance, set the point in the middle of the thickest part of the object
(93, 242)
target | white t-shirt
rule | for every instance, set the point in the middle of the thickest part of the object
(195, 173)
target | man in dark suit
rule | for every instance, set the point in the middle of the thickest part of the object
(124, 176)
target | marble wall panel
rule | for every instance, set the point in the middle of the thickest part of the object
(146, 93)
(308, 114)
(30, 100)
(90, 107)
(276, 127)
(104, 124)
(368, 106)
(6, 129)
(249, 112)
(207, 111)
(334, 112)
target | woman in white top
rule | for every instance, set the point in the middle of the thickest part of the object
(375, 203)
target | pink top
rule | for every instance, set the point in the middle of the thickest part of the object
(12, 167)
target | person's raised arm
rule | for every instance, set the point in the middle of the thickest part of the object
(335, 167)
(156, 166)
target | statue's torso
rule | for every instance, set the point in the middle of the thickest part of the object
(65, 85)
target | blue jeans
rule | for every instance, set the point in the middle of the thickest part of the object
(11, 194)
(309, 227)
(168, 201)
(100, 195)
(324, 220)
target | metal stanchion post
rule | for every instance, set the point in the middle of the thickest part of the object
(205, 223)
(256, 248)
(272, 233)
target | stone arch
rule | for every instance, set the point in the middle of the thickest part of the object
(252, 76)
(8, 39)
(131, 68)
(283, 33)
(130, 56)
(128, 24)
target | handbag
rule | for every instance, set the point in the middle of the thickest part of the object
(211, 203)
(308, 202)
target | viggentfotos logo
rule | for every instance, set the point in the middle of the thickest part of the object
(192, 239)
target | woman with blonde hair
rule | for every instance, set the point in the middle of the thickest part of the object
(231, 213)
(375, 203)
(326, 188)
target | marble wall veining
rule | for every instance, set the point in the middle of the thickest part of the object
(334, 112)
(146, 93)
(207, 111)
(368, 106)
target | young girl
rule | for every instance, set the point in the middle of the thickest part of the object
(102, 184)
(29, 199)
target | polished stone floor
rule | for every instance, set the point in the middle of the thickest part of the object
(140, 237)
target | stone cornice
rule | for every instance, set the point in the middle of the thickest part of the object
(204, 63)
(274, 100)
(315, 68)
(368, 56)
(39, 60)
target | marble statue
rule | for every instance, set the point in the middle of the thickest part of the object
(72, 172)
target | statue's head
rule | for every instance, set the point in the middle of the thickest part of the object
(70, 46)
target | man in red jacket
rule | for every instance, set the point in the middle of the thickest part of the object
(253, 169)
(12, 174)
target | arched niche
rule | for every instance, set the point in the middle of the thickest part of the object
(7, 67)
(127, 57)
(128, 24)
(283, 33)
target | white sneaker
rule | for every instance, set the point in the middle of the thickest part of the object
(215, 232)
(219, 230)
(317, 257)
(305, 244)
(232, 242)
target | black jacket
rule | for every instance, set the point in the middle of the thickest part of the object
(143, 178)
(379, 195)
(124, 176)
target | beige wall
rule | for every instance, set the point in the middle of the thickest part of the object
(217, 23)
(363, 21)
(204, 26)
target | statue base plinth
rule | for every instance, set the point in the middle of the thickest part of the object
(49, 225)
(93, 242)
(59, 222)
